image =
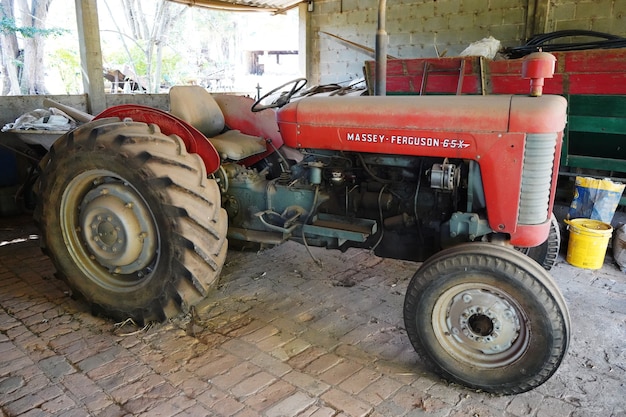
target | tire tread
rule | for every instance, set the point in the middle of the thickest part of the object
(179, 180)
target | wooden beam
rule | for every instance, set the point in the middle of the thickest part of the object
(227, 5)
(356, 46)
(537, 17)
(541, 16)
(304, 41)
(90, 54)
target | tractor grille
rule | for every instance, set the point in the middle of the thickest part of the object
(537, 178)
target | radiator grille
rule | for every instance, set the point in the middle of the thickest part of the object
(539, 154)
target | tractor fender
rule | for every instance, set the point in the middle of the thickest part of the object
(195, 141)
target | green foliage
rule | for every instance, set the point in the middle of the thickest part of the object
(198, 46)
(67, 63)
(8, 25)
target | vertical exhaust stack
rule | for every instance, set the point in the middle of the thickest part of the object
(380, 89)
(538, 66)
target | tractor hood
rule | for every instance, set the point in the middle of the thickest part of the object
(331, 122)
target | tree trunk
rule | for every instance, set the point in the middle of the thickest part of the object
(33, 79)
(161, 27)
(153, 32)
(10, 53)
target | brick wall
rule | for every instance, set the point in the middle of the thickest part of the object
(423, 28)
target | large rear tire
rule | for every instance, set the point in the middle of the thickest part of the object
(130, 220)
(487, 317)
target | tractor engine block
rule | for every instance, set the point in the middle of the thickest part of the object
(410, 198)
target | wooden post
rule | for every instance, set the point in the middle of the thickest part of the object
(90, 54)
(537, 17)
(304, 36)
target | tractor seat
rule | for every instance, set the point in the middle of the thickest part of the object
(197, 107)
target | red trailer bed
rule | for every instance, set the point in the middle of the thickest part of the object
(593, 81)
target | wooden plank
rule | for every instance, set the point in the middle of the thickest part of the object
(590, 162)
(529, 29)
(505, 67)
(596, 145)
(536, 17)
(415, 66)
(504, 84)
(597, 83)
(395, 67)
(403, 85)
(447, 84)
(597, 105)
(607, 125)
(404, 76)
(593, 61)
(542, 10)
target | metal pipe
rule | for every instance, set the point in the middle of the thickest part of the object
(380, 89)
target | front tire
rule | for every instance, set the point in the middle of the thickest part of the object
(130, 220)
(487, 317)
(547, 253)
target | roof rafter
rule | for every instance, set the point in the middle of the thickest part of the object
(275, 6)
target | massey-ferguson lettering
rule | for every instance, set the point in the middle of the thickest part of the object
(136, 208)
(406, 140)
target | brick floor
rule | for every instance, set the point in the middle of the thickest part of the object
(280, 336)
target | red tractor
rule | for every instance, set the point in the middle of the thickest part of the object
(136, 208)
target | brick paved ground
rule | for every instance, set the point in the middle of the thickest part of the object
(281, 336)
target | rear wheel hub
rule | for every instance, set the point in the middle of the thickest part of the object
(117, 228)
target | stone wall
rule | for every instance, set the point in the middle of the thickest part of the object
(11, 107)
(600, 15)
(426, 28)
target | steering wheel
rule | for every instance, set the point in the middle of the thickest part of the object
(282, 99)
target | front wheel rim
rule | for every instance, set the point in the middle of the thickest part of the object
(109, 229)
(480, 325)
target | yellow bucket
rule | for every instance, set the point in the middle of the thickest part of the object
(588, 240)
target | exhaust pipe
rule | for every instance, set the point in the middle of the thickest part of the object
(380, 89)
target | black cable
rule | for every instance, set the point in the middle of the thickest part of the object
(540, 42)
